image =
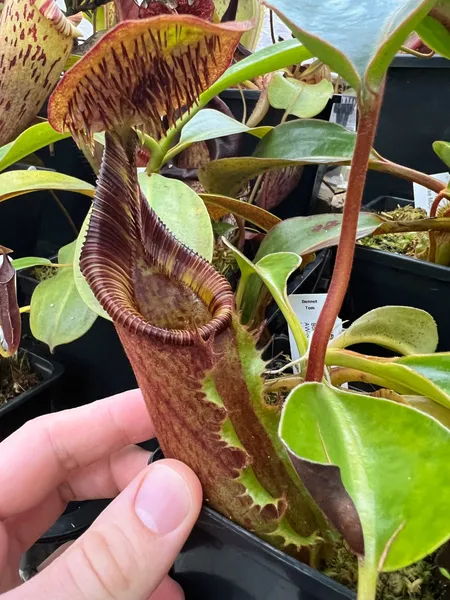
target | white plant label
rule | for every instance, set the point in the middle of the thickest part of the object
(423, 197)
(307, 308)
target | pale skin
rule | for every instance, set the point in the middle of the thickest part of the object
(85, 453)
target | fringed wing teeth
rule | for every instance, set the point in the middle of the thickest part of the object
(143, 73)
(143, 277)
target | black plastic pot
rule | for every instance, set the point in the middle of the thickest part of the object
(33, 402)
(382, 278)
(222, 561)
(299, 201)
(414, 115)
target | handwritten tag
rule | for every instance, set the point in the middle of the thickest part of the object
(423, 197)
(308, 307)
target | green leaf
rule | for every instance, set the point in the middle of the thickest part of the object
(219, 206)
(358, 40)
(301, 99)
(209, 124)
(274, 270)
(181, 210)
(30, 261)
(81, 284)
(302, 235)
(32, 139)
(268, 59)
(429, 407)
(425, 375)
(442, 149)
(309, 141)
(434, 367)
(434, 30)
(393, 463)
(403, 329)
(16, 183)
(58, 313)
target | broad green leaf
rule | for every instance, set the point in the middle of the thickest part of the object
(429, 407)
(16, 183)
(58, 313)
(32, 139)
(274, 270)
(82, 285)
(302, 235)
(392, 461)
(434, 29)
(209, 124)
(358, 40)
(425, 375)
(309, 141)
(30, 261)
(403, 329)
(181, 210)
(301, 99)
(442, 149)
(219, 206)
(268, 59)
(247, 10)
(435, 367)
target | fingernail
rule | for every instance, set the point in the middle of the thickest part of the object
(163, 500)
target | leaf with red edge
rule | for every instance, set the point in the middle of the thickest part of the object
(143, 73)
(10, 323)
(36, 40)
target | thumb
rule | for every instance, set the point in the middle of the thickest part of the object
(129, 549)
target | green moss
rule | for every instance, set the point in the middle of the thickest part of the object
(409, 244)
(416, 582)
(43, 272)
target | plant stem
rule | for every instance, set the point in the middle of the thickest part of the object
(255, 188)
(435, 224)
(432, 235)
(416, 53)
(156, 153)
(272, 28)
(64, 211)
(244, 105)
(367, 582)
(283, 383)
(370, 111)
(386, 166)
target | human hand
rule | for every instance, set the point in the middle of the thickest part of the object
(87, 453)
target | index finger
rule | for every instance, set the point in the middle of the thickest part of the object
(37, 458)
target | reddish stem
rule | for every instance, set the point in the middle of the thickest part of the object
(391, 168)
(346, 249)
(432, 234)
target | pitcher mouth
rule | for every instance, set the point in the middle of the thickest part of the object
(123, 228)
